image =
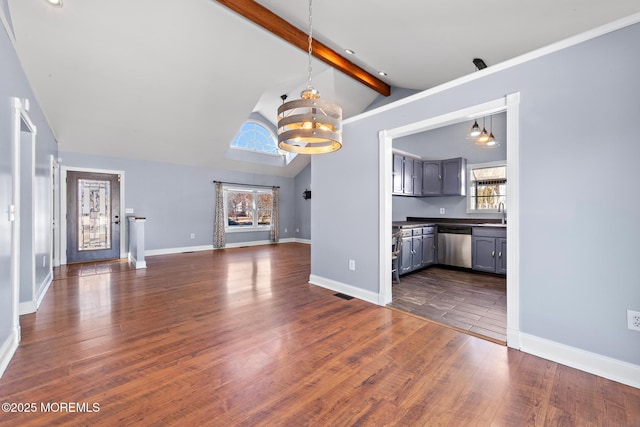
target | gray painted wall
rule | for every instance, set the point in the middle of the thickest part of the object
(302, 207)
(446, 143)
(578, 210)
(178, 200)
(13, 83)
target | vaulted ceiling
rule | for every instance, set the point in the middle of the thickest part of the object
(173, 81)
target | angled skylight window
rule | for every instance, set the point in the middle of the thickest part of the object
(253, 136)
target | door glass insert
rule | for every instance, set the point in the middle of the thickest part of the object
(94, 214)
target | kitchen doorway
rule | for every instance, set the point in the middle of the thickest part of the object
(510, 104)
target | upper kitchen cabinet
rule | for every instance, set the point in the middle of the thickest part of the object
(407, 175)
(431, 178)
(444, 177)
(454, 172)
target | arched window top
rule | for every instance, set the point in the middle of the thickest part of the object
(253, 136)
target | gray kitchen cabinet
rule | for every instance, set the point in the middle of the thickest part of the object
(501, 262)
(489, 249)
(398, 168)
(407, 176)
(431, 178)
(417, 177)
(406, 252)
(429, 250)
(418, 248)
(444, 177)
(416, 252)
(454, 173)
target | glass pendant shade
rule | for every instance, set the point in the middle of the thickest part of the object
(309, 125)
(475, 130)
(483, 138)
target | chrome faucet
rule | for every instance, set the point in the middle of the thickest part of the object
(504, 214)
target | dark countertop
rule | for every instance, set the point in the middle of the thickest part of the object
(412, 222)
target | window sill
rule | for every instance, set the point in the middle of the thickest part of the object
(246, 229)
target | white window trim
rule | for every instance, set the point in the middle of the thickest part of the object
(470, 182)
(243, 228)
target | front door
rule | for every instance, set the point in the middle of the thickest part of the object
(93, 216)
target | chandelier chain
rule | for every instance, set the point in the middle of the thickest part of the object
(310, 38)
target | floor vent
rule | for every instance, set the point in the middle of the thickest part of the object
(343, 296)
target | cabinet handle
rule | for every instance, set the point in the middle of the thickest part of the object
(493, 253)
(499, 254)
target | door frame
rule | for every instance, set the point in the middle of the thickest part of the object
(511, 104)
(63, 208)
(54, 260)
(20, 115)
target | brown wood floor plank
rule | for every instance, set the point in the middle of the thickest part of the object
(238, 337)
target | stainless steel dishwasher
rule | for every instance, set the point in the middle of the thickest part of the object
(454, 245)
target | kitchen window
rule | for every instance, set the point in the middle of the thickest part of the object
(487, 187)
(247, 209)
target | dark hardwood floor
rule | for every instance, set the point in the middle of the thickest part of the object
(469, 301)
(237, 337)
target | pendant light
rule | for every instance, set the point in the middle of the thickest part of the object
(484, 135)
(309, 125)
(475, 130)
(486, 139)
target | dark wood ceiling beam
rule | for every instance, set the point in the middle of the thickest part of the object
(271, 22)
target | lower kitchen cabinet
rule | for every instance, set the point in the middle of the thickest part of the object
(429, 249)
(418, 249)
(489, 249)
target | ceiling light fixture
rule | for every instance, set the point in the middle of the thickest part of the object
(56, 3)
(382, 73)
(486, 139)
(309, 125)
(350, 52)
(475, 130)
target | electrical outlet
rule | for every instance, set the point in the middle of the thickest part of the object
(285, 230)
(441, 211)
(193, 235)
(633, 320)
(44, 260)
(352, 264)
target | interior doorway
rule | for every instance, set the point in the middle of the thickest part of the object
(510, 104)
(93, 216)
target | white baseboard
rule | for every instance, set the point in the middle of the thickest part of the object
(7, 350)
(344, 288)
(603, 366)
(44, 287)
(137, 264)
(169, 251)
(28, 307)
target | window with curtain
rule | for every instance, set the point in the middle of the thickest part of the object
(247, 209)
